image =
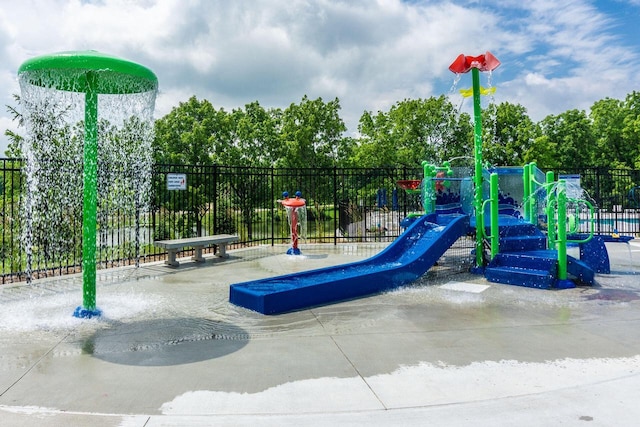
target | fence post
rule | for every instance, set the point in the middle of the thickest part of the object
(404, 193)
(272, 204)
(335, 205)
(215, 198)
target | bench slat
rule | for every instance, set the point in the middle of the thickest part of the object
(197, 243)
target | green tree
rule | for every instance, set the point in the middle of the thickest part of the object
(11, 189)
(14, 150)
(253, 141)
(509, 134)
(570, 136)
(543, 152)
(187, 135)
(608, 117)
(631, 129)
(312, 134)
(375, 146)
(413, 131)
(251, 137)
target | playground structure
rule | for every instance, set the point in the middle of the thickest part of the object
(523, 220)
(297, 217)
(90, 73)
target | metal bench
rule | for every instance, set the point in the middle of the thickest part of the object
(197, 243)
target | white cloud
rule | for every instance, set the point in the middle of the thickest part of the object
(369, 54)
(576, 59)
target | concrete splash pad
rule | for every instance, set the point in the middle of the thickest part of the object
(449, 350)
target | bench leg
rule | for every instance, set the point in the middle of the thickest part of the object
(171, 258)
(197, 254)
(222, 250)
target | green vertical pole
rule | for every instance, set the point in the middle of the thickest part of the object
(550, 210)
(562, 231)
(495, 234)
(533, 201)
(475, 75)
(526, 180)
(90, 196)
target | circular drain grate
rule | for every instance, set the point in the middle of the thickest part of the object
(164, 342)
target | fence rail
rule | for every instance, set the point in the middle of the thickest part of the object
(343, 204)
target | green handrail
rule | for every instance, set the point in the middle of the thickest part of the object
(590, 219)
(556, 213)
(559, 205)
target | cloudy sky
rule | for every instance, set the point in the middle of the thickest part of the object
(556, 54)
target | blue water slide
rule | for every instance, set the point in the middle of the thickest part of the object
(403, 261)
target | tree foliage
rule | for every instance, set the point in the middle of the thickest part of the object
(616, 129)
(312, 133)
(508, 134)
(186, 134)
(568, 140)
(413, 131)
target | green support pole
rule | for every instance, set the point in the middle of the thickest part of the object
(550, 210)
(533, 202)
(475, 75)
(526, 179)
(495, 234)
(90, 180)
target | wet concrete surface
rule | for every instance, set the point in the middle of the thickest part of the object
(451, 349)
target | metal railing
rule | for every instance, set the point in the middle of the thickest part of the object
(343, 204)
(351, 204)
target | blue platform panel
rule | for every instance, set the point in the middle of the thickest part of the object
(594, 252)
(402, 262)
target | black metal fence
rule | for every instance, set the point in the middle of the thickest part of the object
(343, 204)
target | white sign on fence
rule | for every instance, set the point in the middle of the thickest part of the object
(176, 181)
